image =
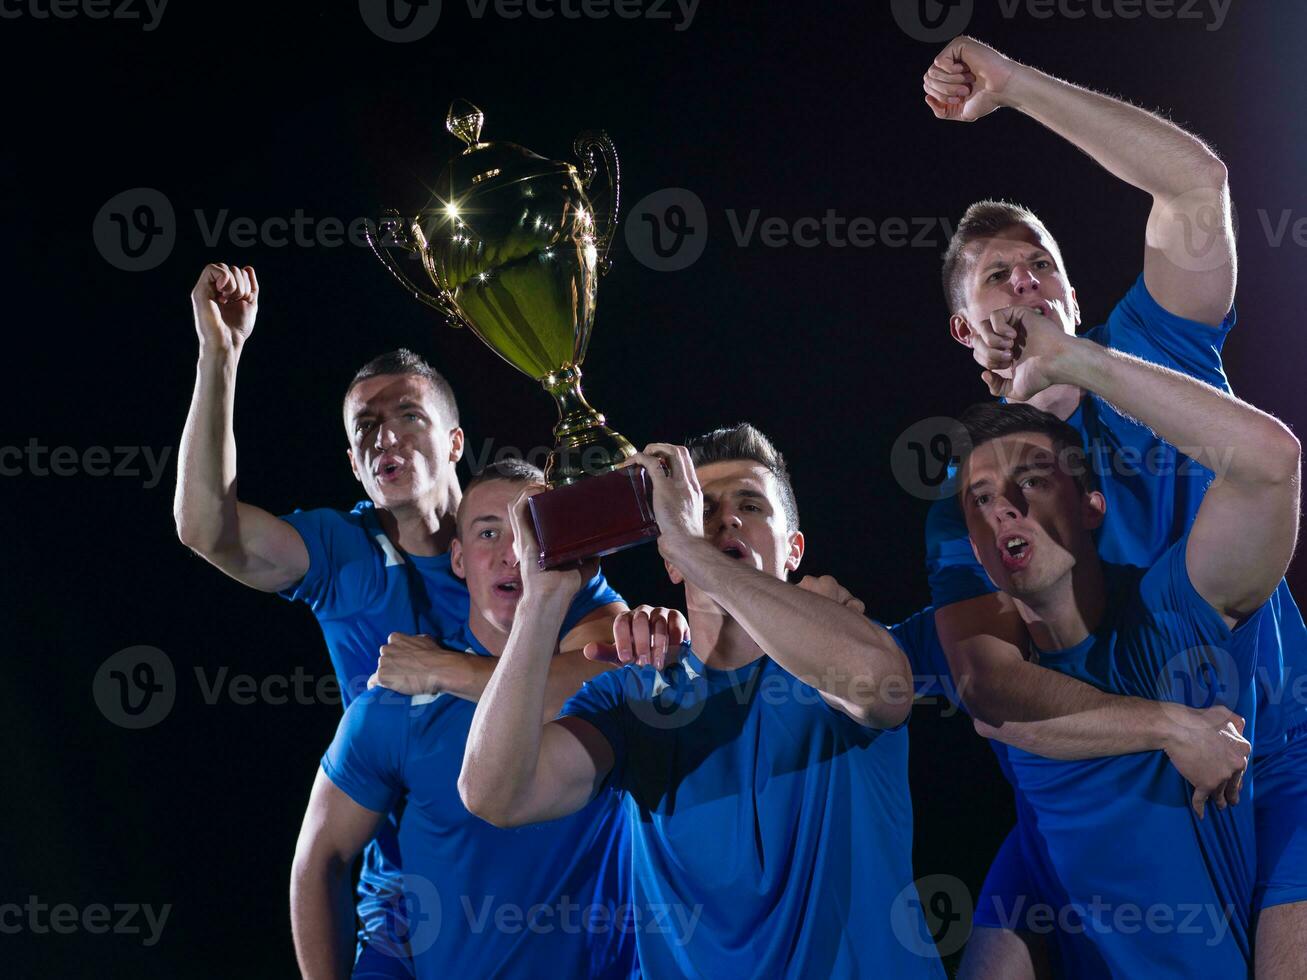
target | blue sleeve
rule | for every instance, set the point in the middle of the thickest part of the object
(1200, 660)
(917, 638)
(602, 702)
(1141, 327)
(324, 538)
(593, 595)
(951, 565)
(366, 758)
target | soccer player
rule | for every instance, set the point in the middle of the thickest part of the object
(1177, 315)
(378, 569)
(764, 773)
(1113, 839)
(551, 897)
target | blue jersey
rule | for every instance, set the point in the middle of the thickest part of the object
(1153, 492)
(1134, 882)
(776, 829)
(362, 588)
(478, 901)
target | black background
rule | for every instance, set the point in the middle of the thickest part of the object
(791, 109)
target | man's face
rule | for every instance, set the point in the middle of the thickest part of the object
(744, 517)
(1027, 519)
(1017, 267)
(483, 555)
(401, 446)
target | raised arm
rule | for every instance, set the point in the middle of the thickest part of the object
(1189, 251)
(249, 544)
(853, 662)
(1246, 528)
(514, 770)
(334, 831)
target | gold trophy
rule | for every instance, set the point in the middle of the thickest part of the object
(514, 246)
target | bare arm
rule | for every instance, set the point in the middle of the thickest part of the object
(1189, 254)
(334, 831)
(245, 542)
(514, 770)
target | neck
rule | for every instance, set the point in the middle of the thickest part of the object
(1064, 614)
(1059, 400)
(492, 639)
(719, 641)
(423, 528)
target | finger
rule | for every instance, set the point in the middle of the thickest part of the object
(655, 466)
(640, 634)
(666, 452)
(254, 283)
(1199, 802)
(373, 681)
(686, 464)
(943, 90)
(1230, 791)
(600, 653)
(658, 640)
(937, 107)
(678, 628)
(857, 605)
(997, 386)
(1238, 723)
(622, 638)
(519, 517)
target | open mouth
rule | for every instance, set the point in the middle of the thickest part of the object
(734, 550)
(1016, 551)
(388, 467)
(509, 587)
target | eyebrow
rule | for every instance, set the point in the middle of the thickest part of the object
(488, 519)
(1042, 463)
(366, 412)
(1001, 263)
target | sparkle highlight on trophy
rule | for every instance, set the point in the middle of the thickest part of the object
(514, 246)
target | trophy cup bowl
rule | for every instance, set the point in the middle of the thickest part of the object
(514, 246)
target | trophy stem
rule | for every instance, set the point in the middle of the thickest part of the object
(584, 444)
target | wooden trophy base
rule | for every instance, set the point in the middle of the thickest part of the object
(593, 517)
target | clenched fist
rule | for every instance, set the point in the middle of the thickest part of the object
(225, 301)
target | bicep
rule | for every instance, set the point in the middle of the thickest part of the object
(1241, 543)
(575, 759)
(1189, 254)
(335, 828)
(268, 553)
(595, 627)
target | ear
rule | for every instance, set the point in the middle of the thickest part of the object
(353, 465)
(960, 329)
(455, 444)
(796, 552)
(456, 558)
(1074, 311)
(673, 573)
(1095, 510)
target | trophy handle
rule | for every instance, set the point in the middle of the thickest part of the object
(593, 148)
(392, 231)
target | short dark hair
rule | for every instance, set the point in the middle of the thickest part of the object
(404, 361)
(743, 441)
(512, 469)
(987, 421)
(985, 219)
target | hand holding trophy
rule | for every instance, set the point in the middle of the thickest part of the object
(514, 247)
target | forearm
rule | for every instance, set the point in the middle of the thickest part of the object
(836, 650)
(1117, 726)
(470, 675)
(1238, 442)
(322, 919)
(503, 746)
(205, 503)
(1137, 146)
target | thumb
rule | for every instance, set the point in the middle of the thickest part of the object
(998, 387)
(600, 653)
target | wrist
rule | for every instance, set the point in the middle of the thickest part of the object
(1167, 731)
(1021, 85)
(220, 353)
(678, 547)
(1075, 362)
